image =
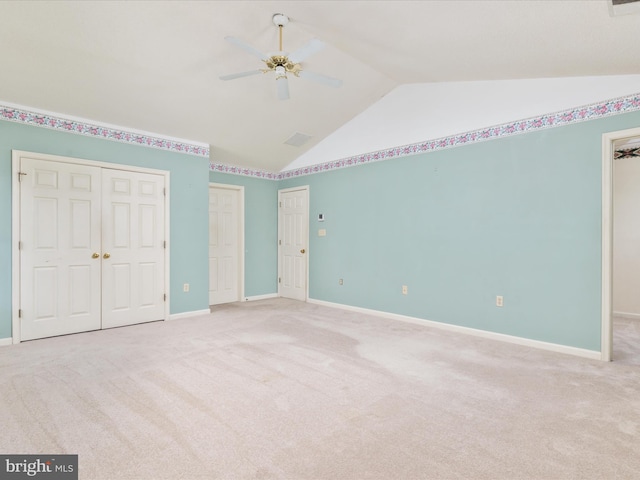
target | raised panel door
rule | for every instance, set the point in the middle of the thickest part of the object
(293, 239)
(60, 237)
(224, 251)
(133, 247)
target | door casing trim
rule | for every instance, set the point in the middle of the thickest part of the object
(16, 155)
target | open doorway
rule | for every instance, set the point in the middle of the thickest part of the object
(626, 250)
(621, 246)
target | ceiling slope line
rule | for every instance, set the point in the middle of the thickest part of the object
(53, 121)
(615, 106)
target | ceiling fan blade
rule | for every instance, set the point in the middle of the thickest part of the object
(317, 77)
(240, 75)
(283, 88)
(246, 47)
(313, 46)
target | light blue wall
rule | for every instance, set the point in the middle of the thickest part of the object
(261, 231)
(188, 209)
(518, 217)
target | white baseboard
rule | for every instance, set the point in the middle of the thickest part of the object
(633, 316)
(260, 297)
(195, 313)
(5, 342)
(526, 342)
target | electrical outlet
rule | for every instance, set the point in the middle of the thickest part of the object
(405, 289)
(499, 301)
(340, 282)
(185, 287)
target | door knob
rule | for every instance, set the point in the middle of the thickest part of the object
(302, 251)
(95, 255)
(106, 255)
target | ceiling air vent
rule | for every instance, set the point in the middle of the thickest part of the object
(298, 139)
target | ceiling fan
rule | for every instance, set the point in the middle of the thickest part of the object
(283, 63)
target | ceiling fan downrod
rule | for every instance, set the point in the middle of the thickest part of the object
(280, 20)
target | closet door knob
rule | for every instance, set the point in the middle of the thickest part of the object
(106, 255)
(302, 251)
(95, 255)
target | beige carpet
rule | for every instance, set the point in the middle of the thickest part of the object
(282, 389)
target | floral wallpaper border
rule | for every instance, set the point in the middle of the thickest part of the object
(627, 153)
(565, 117)
(247, 172)
(54, 122)
(589, 112)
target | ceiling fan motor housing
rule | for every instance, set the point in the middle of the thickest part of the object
(282, 61)
(280, 19)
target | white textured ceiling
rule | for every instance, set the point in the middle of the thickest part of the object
(154, 65)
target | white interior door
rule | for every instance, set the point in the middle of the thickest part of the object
(293, 239)
(133, 247)
(91, 247)
(59, 248)
(224, 245)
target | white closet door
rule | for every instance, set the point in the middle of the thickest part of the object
(60, 246)
(132, 247)
(224, 251)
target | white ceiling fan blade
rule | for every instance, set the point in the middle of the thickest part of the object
(283, 88)
(246, 47)
(240, 75)
(317, 77)
(313, 46)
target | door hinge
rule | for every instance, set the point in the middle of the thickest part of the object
(164, 244)
(279, 280)
(20, 245)
(165, 297)
(20, 174)
(279, 242)
(280, 204)
(164, 192)
(19, 313)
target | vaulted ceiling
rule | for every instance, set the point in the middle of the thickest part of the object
(155, 65)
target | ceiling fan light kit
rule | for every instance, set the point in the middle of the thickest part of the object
(281, 63)
(280, 72)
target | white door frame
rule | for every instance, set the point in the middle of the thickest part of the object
(286, 190)
(15, 224)
(240, 190)
(606, 349)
